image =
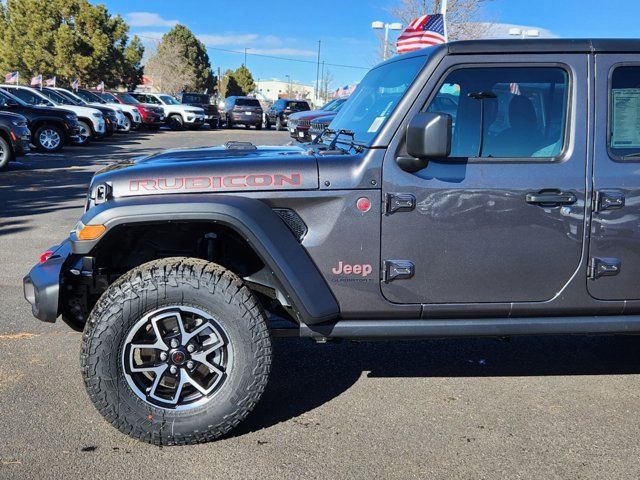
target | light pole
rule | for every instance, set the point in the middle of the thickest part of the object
(524, 33)
(386, 26)
(288, 85)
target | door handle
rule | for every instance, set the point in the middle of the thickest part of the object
(551, 198)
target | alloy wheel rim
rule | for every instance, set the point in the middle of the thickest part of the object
(176, 357)
(49, 139)
(126, 124)
(83, 134)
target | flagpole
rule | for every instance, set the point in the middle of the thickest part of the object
(443, 11)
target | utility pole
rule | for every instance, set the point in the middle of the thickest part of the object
(317, 72)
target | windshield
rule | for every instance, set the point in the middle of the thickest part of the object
(56, 97)
(71, 96)
(169, 100)
(89, 97)
(9, 96)
(126, 98)
(375, 98)
(109, 98)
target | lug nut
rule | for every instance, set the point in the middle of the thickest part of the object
(189, 364)
(190, 348)
(163, 356)
(173, 369)
(174, 343)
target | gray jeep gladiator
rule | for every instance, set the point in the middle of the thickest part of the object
(480, 188)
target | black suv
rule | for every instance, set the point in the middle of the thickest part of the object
(204, 101)
(14, 137)
(245, 111)
(51, 128)
(279, 112)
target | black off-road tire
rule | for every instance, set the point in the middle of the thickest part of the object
(176, 122)
(192, 283)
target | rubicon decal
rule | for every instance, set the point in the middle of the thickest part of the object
(357, 269)
(251, 181)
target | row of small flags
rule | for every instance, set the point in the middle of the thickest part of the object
(37, 81)
(344, 91)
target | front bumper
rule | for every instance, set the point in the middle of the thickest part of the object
(42, 284)
(22, 141)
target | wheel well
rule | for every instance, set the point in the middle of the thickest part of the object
(128, 246)
(42, 123)
(6, 136)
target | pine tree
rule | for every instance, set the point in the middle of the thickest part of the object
(195, 57)
(244, 79)
(69, 39)
(229, 85)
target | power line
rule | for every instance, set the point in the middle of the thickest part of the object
(248, 52)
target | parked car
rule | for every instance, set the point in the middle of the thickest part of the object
(90, 121)
(523, 220)
(204, 101)
(319, 125)
(242, 111)
(278, 113)
(178, 116)
(51, 128)
(14, 137)
(110, 116)
(152, 116)
(132, 118)
(300, 122)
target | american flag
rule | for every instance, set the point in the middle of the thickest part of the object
(11, 77)
(101, 86)
(75, 84)
(37, 80)
(50, 82)
(424, 31)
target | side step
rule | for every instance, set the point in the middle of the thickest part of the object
(466, 327)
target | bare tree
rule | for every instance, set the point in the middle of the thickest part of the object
(325, 85)
(168, 69)
(465, 18)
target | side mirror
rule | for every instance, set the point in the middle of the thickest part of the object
(428, 137)
(11, 104)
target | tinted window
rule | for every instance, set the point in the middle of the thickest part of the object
(126, 98)
(27, 96)
(194, 98)
(624, 116)
(247, 102)
(505, 112)
(298, 106)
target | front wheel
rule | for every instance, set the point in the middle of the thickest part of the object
(279, 125)
(179, 342)
(126, 124)
(48, 138)
(176, 122)
(5, 153)
(84, 134)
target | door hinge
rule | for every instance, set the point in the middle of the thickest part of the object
(397, 270)
(604, 267)
(608, 200)
(399, 202)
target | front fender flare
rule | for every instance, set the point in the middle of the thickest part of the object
(252, 219)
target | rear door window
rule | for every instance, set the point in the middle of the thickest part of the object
(624, 113)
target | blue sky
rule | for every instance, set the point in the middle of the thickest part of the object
(292, 29)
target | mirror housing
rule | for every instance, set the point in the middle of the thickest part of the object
(428, 137)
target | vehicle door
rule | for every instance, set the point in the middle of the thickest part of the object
(614, 250)
(502, 218)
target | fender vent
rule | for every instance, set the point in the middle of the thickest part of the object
(293, 221)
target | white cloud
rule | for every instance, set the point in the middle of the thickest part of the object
(148, 19)
(501, 30)
(231, 39)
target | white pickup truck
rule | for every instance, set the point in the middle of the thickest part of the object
(178, 116)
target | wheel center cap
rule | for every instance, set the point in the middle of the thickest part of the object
(178, 357)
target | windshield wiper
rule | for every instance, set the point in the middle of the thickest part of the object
(349, 133)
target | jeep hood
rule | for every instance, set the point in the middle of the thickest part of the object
(238, 167)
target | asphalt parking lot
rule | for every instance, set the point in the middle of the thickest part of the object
(534, 407)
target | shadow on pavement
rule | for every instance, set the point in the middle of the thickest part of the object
(39, 184)
(306, 376)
